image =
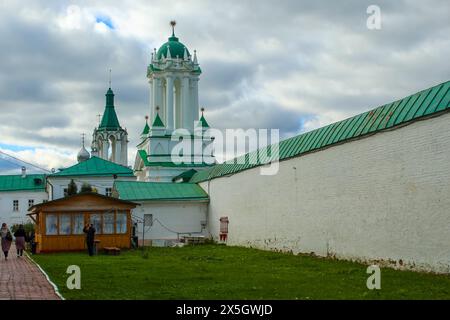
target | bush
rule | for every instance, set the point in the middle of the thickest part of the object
(86, 187)
(29, 227)
(72, 188)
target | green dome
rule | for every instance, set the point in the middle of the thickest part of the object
(176, 49)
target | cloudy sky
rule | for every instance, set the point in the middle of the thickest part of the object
(293, 65)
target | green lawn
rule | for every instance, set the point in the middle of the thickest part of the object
(220, 272)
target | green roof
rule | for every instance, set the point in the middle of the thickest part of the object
(425, 103)
(158, 122)
(95, 167)
(176, 49)
(203, 122)
(143, 155)
(159, 191)
(146, 129)
(31, 182)
(109, 119)
(185, 176)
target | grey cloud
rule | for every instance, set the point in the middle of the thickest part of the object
(320, 55)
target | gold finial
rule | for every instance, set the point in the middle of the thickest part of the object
(173, 23)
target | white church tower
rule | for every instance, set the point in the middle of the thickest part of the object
(110, 140)
(173, 75)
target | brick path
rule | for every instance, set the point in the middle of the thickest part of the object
(21, 279)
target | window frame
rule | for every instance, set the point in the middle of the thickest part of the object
(15, 205)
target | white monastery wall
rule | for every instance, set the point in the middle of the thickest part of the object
(385, 197)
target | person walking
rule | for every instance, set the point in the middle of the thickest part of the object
(90, 235)
(20, 240)
(6, 239)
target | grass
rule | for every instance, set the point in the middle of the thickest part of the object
(220, 272)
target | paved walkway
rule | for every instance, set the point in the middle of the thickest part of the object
(21, 279)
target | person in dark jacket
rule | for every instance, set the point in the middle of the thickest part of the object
(6, 239)
(90, 235)
(20, 240)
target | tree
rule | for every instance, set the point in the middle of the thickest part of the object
(86, 187)
(72, 188)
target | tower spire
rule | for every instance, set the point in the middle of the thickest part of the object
(173, 23)
(110, 78)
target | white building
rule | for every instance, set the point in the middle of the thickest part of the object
(167, 211)
(99, 173)
(17, 194)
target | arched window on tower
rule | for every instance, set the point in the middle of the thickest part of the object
(112, 149)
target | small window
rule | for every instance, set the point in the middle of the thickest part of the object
(121, 222)
(15, 205)
(96, 220)
(51, 224)
(148, 220)
(66, 192)
(78, 223)
(30, 203)
(108, 223)
(64, 224)
(108, 192)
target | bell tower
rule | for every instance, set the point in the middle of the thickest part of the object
(173, 75)
(110, 140)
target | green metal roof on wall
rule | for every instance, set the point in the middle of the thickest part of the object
(109, 119)
(95, 167)
(185, 176)
(31, 182)
(159, 191)
(419, 105)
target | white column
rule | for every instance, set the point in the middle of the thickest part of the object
(159, 97)
(125, 150)
(105, 149)
(185, 104)
(118, 151)
(169, 103)
(154, 101)
(195, 107)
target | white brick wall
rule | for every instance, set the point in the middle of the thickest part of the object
(386, 197)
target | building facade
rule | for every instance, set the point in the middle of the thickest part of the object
(17, 194)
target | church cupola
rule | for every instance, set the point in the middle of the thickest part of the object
(83, 154)
(109, 119)
(110, 140)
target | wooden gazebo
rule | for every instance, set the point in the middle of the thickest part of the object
(59, 223)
